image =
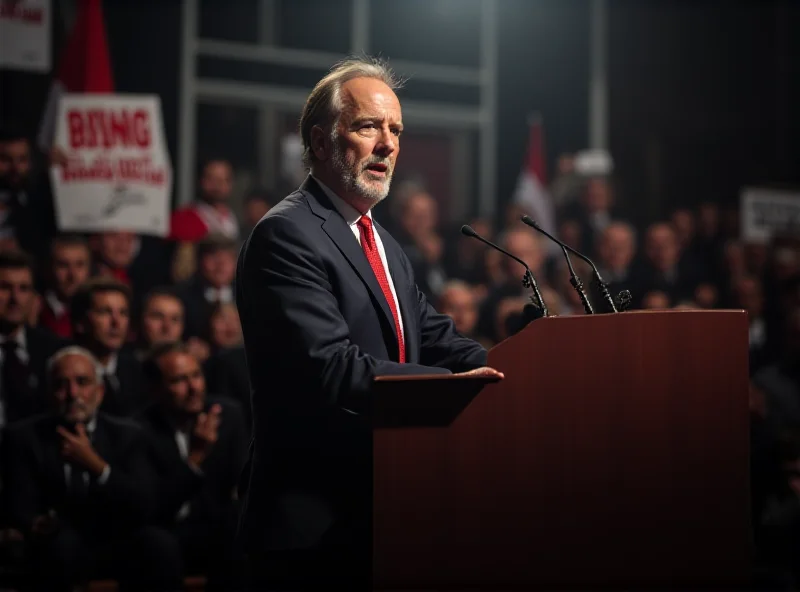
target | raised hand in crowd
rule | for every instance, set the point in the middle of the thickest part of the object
(76, 448)
(204, 435)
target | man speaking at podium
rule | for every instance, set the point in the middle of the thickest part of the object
(328, 302)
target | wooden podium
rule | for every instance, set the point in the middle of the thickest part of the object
(614, 455)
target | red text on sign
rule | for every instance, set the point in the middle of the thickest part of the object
(105, 128)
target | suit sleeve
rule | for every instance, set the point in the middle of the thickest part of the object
(441, 345)
(289, 304)
(127, 492)
(22, 499)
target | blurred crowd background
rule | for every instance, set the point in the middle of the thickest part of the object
(640, 123)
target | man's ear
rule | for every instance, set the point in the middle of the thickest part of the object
(320, 143)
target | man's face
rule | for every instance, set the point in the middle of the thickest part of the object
(420, 215)
(226, 327)
(216, 183)
(616, 248)
(107, 321)
(117, 248)
(183, 384)
(254, 210)
(598, 195)
(218, 268)
(683, 223)
(162, 320)
(526, 246)
(365, 142)
(76, 391)
(459, 304)
(16, 296)
(70, 269)
(662, 247)
(15, 163)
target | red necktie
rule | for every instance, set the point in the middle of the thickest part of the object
(373, 256)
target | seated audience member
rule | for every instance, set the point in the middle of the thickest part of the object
(616, 250)
(24, 350)
(113, 254)
(211, 285)
(198, 447)
(211, 213)
(257, 203)
(226, 370)
(224, 327)
(26, 209)
(458, 301)
(68, 267)
(527, 246)
(100, 321)
(77, 485)
(663, 269)
(162, 321)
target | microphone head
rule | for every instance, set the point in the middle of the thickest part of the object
(530, 221)
(467, 230)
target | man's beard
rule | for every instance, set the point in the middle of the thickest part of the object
(352, 175)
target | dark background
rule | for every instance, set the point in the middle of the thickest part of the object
(702, 94)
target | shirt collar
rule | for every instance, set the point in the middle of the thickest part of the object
(348, 212)
(111, 367)
(21, 339)
(56, 305)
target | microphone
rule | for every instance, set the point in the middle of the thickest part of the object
(600, 283)
(527, 280)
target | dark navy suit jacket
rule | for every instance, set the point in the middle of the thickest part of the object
(317, 330)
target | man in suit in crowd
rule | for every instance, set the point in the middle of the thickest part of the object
(328, 302)
(198, 446)
(101, 319)
(23, 350)
(77, 485)
(211, 285)
(69, 266)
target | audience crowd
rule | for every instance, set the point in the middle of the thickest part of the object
(124, 395)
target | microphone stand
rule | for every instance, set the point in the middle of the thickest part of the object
(528, 281)
(596, 274)
(577, 284)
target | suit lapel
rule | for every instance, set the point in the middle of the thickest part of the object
(341, 234)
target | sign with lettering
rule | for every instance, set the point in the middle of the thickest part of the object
(117, 173)
(25, 35)
(767, 213)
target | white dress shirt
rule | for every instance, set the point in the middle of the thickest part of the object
(352, 216)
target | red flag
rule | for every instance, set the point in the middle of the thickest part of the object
(85, 66)
(531, 192)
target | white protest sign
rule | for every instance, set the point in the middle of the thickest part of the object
(118, 174)
(766, 213)
(25, 34)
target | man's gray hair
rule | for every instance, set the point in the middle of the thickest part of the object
(74, 350)
(324, 105)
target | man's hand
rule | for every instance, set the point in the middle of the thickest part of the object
(77, 449)
(484, 372)
(204, 435)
